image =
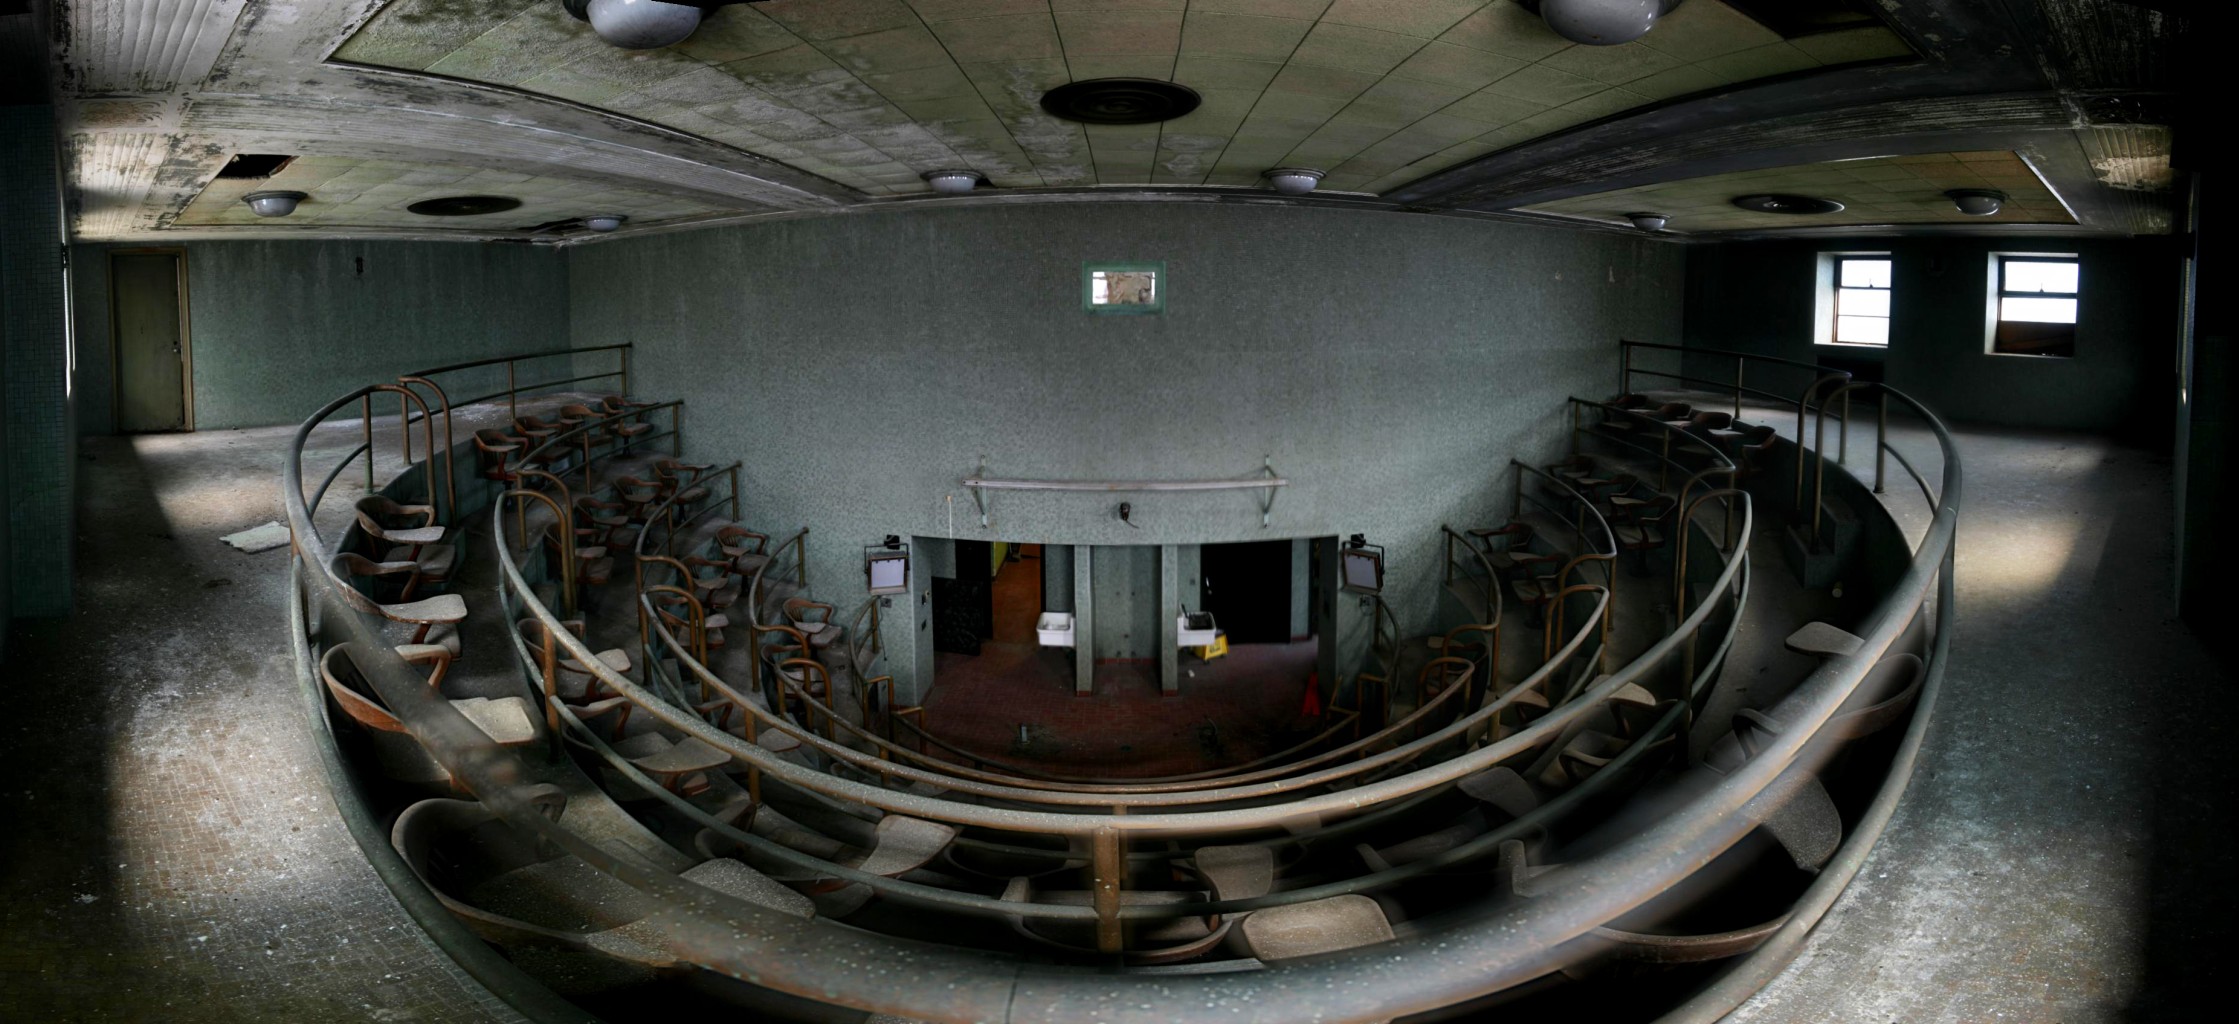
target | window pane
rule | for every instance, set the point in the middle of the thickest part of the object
(1865, 274)
(1862, 330)
(1863, 302)
(2038, 311)
(2040, 277)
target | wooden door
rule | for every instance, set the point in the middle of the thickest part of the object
(147, 314)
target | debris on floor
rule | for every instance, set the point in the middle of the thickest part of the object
(259, 538)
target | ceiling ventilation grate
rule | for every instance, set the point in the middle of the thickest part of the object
(254, 165)
(464, 206)
(1120, 101)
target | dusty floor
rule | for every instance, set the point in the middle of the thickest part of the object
(2064, 853)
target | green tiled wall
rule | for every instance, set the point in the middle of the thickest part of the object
(34, 365)
(279, 328)
(861, 366)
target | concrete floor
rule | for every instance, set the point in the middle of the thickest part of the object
(171, 852)
(2064, 853)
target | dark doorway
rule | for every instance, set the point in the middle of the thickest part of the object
(1017, 594)
(964, 606)
(1247, 587)
(147, 314)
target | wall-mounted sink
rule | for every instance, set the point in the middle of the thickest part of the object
(1055, 629)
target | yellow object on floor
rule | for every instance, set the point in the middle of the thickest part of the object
(1218, 648)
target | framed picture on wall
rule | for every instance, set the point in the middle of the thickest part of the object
(1123, 287)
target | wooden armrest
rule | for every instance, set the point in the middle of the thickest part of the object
(416, 535)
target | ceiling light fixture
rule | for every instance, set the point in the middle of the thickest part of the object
(954, 182)
(1977, 202)
(1648, 221)
(1777, 202)
(604, 222)
(1603, 22)
(638, 24)
(273, 204)
(1293, 181)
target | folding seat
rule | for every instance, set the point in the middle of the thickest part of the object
(408, 533)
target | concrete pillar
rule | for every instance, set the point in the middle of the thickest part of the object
(1169, 612)
(1084, 631)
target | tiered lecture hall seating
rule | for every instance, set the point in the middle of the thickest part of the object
(723, 727)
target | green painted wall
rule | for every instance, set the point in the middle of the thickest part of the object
(279, 328)
(1759, 297)
(862, 366)
(38, 464)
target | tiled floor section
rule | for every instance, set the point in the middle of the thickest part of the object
(171, 852)
(1230, 710)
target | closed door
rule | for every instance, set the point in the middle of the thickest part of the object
(1247, 587)
(149, 319)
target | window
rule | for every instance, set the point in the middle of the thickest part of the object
(1861, 300)
(2035, 312)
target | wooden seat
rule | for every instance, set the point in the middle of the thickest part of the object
(423, 614)
(494, 448)
(505, 720)
(1515, 536)
(1535, 581)
(814, 620)
(1638, 525)
(536, 430)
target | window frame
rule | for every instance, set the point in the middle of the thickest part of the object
(1828, 300)
(1994, 314)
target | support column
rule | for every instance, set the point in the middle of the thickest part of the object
(1084, 628)
(1169, 616)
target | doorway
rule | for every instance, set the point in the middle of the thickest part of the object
(964, 604)
(1247, 587)
(148, 325)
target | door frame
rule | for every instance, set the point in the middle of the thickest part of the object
(186, 338)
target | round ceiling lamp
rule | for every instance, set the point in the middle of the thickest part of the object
(1977, 202)
(604, 222)
(1293, 181)
(1648, 221)
(1603, 22)
(464, 206)
(953, 182)
(638, 24)
(273, 204)
(1775, 202)
(1120, 101)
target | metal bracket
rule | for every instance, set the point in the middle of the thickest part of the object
(979, 483)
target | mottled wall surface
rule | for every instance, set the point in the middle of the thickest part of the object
(279, 328)
(862, 366)
(36, 482)
(1759, 297)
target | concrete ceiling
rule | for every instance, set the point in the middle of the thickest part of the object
(872, 93)
(806, 107)
(1877, 190)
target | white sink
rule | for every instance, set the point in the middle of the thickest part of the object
(1055, 629)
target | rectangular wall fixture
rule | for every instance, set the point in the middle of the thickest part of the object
(1123, 287)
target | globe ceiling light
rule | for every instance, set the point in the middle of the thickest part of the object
(953, 182)
(604, 222)
(1603, 22)
(642, 24)
(273, 204)
(1293, 181)
(1648, 221)
(1977, 202)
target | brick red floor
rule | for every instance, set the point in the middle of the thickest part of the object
(1230, 710)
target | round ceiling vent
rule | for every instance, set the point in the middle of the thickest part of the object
(1120, 101)
(463, 206)
(1779, 203)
